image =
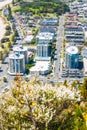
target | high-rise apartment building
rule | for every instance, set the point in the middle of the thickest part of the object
(72, 57)
(43, 50)
(21, 50)
(16, 64)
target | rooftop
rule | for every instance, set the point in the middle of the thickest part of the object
(16, 56)
(19, 48)
(72, 50)
(43, 58)
(41, 66)
(28, 38)
(45, 36)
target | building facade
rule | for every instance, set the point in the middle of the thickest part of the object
(72, 57)
(21, 50)
(16, 64)
(43, 50)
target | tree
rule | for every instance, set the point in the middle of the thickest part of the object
(9, 44)
(4, 79)
(8, 27)
(7, 33)
(27, 67)
(65, 82)
(12, 38)
(84, 89)
(3, 40)
(9, 13)
(13, 2)
(35, 105)
(1, 55)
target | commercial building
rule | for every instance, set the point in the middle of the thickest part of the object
(16, 64)
(21, 50)
(45, 37)
(41, 68)
(72, 57)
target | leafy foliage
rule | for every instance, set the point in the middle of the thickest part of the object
(36, 105)
(44, 7)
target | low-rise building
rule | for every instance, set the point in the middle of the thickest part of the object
(72, 73)
(28, 38)
(49, 22)
(41, 68)
(74, 29)
(45, 37)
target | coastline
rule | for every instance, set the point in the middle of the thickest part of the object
(2, 28)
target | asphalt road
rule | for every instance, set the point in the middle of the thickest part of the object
(57, 63)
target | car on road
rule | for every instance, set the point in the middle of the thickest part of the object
(5, 79)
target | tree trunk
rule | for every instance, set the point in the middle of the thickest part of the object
(46, 126)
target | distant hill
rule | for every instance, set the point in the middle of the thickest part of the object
(65, 1)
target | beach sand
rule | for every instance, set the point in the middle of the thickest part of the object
(2, 24)
(4, 2)
(2, 28)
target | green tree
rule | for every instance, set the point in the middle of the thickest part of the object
(8, 27)
(8, 33)
(65, 82)
(10, 13)
(84, 89)
(13, 2)
(1, 55)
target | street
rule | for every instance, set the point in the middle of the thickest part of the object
(59, 48)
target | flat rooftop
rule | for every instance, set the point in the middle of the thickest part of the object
(72, 50)
(41, 66)
(20, 48)
(45, 35)
(16, 56)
